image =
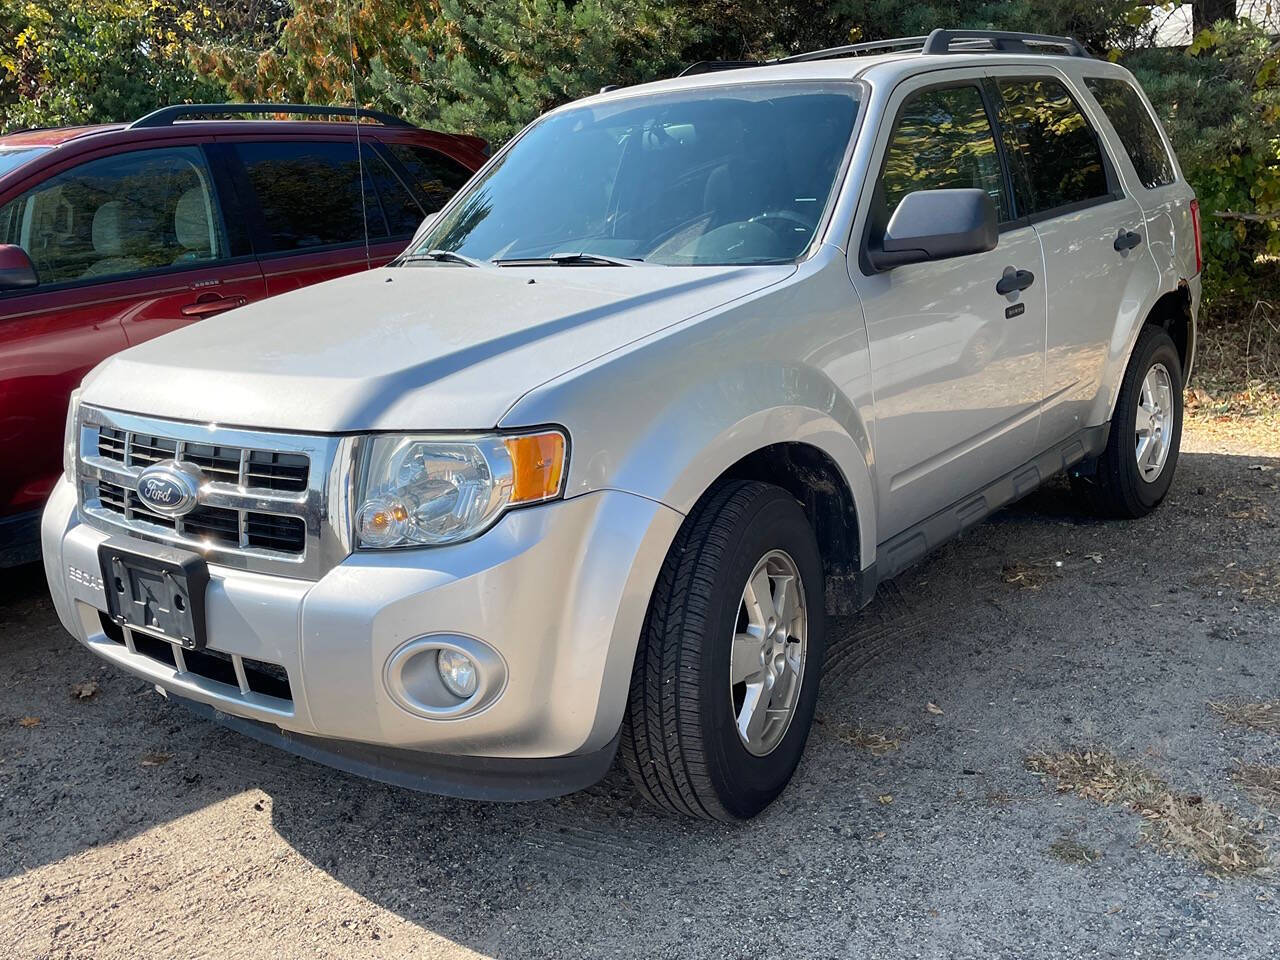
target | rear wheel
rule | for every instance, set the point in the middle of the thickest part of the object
(1136, 470)
(726, 676)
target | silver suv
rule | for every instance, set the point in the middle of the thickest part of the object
(684, 370)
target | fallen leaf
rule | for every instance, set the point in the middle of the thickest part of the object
(885, 798)
(933, 708)
(84, 690)
(1260, 467)
(155, 759)
(29, 722)
(1095, 557)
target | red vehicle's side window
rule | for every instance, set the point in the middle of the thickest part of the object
(435, 177)
(119, 216)
(309, 193)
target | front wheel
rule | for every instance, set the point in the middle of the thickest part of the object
(1135, 471)
(726, 676)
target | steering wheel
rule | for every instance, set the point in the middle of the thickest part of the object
(784, 221)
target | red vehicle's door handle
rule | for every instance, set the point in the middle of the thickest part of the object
(208, 307)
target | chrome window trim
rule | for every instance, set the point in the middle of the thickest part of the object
(324, 505)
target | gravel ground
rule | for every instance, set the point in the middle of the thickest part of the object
(128, 828)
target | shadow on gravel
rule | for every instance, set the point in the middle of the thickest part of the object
(1122, 642)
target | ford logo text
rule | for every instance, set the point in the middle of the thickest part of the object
(170, 488)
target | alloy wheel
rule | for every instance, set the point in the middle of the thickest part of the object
(766, 666)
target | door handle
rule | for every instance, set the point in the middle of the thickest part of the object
(1014, 280)
(1127, 240)
(208, 307)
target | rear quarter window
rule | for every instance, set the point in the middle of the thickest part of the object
(1135, 128)
(434, 177)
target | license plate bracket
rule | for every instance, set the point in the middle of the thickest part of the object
(160, 592)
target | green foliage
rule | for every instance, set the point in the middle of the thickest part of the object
(491, 66)
(1220, 102)
(94, 60)
(316, 49)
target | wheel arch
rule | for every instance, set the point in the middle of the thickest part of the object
(804, 451)
(816, 481)
(1172, 311)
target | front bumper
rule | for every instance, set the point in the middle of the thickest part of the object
(558, 591)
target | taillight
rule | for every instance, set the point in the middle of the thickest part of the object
(1195, 228)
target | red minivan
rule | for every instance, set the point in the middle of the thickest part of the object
(114, 234)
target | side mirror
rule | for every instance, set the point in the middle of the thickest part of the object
(937, 225)
(423, 227)
(16, 269)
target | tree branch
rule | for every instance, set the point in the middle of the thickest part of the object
(1247, 217)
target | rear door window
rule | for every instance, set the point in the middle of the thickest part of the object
(942, 139)
(119, 216)
(434, 176)
(309, 193)
(1135, 128)
(1056, 153)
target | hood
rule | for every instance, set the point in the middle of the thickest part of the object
(422, 348)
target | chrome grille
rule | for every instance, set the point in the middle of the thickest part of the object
(271, 502)
(267, 469)
(213, 524)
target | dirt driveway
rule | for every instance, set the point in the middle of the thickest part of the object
(914, 827)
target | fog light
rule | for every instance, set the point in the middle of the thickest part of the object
(458, 671)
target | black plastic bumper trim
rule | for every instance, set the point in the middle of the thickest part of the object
(501, 779)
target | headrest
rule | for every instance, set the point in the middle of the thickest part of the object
(191, 221)
(122, 228)
(108, 229)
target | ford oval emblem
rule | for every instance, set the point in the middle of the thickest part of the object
(170, 488)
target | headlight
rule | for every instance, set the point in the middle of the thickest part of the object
(70, 436)
(429, 491)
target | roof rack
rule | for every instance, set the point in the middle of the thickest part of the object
(853, 49)
(715, 66)
(938, 42)
(1002, 41)
(166, 116)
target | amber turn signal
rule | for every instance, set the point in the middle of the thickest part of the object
(537, 463)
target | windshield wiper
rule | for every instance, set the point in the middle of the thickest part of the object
(443, 256)
(570, 260)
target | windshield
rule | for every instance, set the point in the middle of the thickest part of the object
(730, 175)
(13, 157)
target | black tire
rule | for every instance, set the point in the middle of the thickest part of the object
(679, 741)
(1117, 487)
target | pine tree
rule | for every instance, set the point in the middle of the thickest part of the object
(491, 66)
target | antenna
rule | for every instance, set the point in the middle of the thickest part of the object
(355, 100)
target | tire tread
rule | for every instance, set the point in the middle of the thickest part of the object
(662, 744)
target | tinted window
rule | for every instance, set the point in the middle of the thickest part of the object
(731, 174)
(434, 176)
(1060, 160)
(309, 193)
(942, 140)
(120, 215)
(401, 210)
(1137, 131)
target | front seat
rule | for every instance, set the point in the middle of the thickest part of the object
(118, 229)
